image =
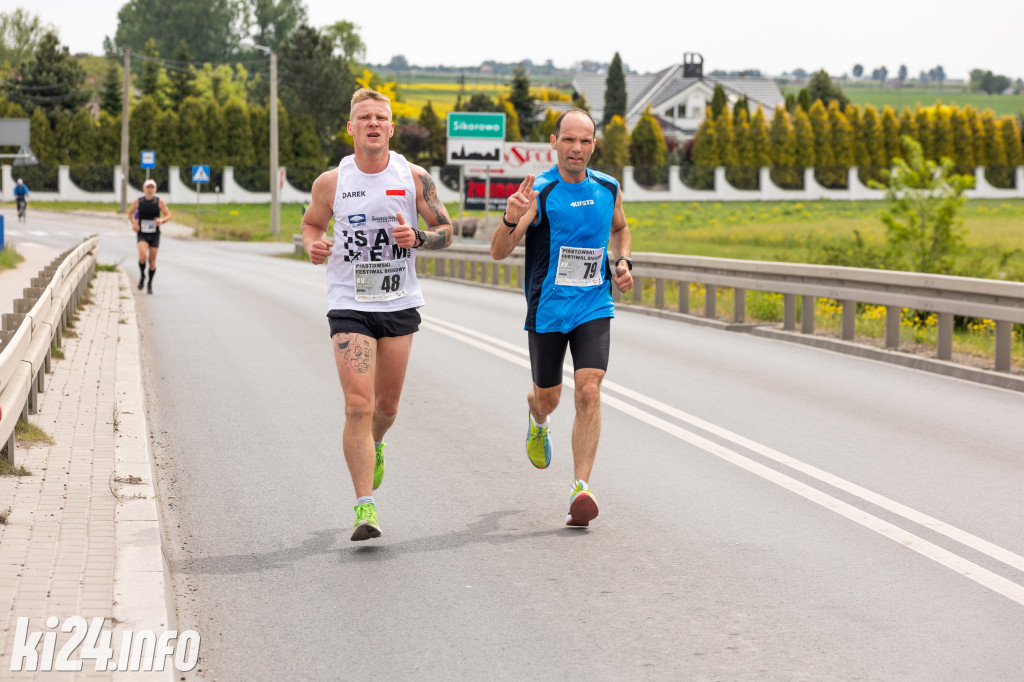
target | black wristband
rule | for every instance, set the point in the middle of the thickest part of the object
(420, 238)
(507, 223)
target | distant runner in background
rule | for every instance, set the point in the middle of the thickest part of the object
(147, 214)
(21, 198)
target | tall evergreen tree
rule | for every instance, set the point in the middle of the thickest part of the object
(943, 133)
(546, 128)
(842, 143)
(803, 139)
(743, 174)
(142, 123)
(783, 151)
(182, 76)
(1009, 140)
(52, 81)
(84, 138)
(908, 124)
(648, 150)
(438, 141)
(821, 88)
(742, 106)
(522, 101)
(44, 143)
(65, 138)
(168, 152)
(719, 102)
(825, 168)
(705, 154)
(512, 133)
(890, 135)
(873, 161)
(113, 88)
(925, 132)
(857, 148)
(236, 136)
(108, 139)
(963, 143)
(982, 147)
(192, 132)
(614, 91)
(149, 84)
(615, 147)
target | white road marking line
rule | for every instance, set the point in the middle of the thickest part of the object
(981, 575)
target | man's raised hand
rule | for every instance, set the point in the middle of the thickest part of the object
(402, 233)
(519, 203)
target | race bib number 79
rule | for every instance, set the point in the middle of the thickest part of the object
(579, 267)
(380, 281)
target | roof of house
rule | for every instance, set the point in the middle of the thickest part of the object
(659, 88)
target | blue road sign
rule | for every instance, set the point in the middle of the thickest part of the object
(148, 159)
(200, 173)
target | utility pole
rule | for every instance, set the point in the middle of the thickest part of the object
(124, 128)
(275, 166)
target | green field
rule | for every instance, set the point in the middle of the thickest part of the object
(910, 96)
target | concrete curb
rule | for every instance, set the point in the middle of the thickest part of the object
(143, 588)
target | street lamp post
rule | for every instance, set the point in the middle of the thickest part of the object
(275, 170)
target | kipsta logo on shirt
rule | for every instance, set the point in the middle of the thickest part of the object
(585, 202)
(358, 219)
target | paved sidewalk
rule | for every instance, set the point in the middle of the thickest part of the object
(84, 537)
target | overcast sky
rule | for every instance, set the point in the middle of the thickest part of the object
(774, 36)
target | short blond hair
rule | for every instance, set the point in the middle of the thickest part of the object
(363, 94)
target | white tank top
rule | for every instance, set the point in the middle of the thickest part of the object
(367, 271)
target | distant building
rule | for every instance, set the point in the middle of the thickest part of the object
(679, 95)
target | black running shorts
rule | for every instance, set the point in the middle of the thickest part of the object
(151, 238)
(588, 342)
(374, 324)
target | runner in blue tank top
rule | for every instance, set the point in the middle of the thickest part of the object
(577, 248)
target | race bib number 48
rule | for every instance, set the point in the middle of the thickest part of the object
(380, 281)
(579, 267)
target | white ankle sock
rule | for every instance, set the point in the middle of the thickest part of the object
(542, 424)
(365, 500)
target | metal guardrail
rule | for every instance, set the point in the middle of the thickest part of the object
(1001, 302)
(28, 334)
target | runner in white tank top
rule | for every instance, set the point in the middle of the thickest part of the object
(375, 197)
(367, 269)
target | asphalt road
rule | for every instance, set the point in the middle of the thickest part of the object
(768, 511)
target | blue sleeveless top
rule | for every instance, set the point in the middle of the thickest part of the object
(576, 215)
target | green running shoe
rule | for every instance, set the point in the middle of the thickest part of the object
(538, 444)
(582, 506)
(365, 526)
(378, 467)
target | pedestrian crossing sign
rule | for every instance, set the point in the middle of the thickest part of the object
(200, 174)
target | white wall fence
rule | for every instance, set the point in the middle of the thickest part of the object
(231, 192)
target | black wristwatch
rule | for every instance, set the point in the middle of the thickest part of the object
(421, 237)
(629, 262)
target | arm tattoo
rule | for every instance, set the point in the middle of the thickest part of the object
(357, 356)
(440, 236)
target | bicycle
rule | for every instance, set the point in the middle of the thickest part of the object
(21, 209)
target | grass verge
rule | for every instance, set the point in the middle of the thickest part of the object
(28, 435)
